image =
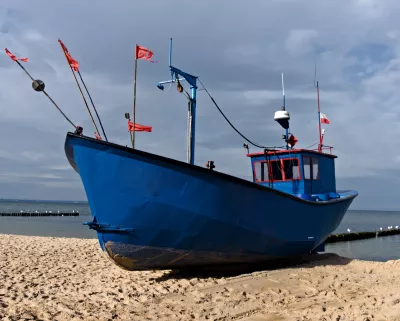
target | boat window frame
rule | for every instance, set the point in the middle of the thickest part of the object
(280, 160)
(318, 177)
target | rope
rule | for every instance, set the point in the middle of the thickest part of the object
(311, 145)
(234, 128)
(48, 96)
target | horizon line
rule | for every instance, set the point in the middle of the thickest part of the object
(86, 202)
(41, 200)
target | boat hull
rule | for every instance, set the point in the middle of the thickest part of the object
(153, 212)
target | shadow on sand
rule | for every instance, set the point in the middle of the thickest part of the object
(232, 270)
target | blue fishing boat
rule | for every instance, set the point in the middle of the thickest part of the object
(154, 212)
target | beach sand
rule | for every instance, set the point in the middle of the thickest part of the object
(43, 278)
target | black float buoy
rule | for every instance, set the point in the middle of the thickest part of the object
(38, 85)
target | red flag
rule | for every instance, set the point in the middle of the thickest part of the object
(138, 127)
(97, 136)
(13, 57)
(72, 62)
(144, 53)
(324, 119)
(292, 140)
(142, 128)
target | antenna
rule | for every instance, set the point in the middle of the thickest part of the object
(319, 109)
(170, 52)
(173, 79)
(319, 122)
(283, 92)
(282, 116)
(315, 73)
(170, 58)
(284, 108)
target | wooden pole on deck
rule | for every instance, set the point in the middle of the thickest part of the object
(134, 99)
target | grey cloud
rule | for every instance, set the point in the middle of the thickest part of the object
(238, 50)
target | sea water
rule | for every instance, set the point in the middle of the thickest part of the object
(376, 249)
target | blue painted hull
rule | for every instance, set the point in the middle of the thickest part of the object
(152, 212)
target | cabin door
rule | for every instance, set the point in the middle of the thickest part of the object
(307, 170)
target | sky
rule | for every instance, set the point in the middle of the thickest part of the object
(238, 50)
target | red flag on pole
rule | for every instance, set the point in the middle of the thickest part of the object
(13, 57)
(142, 128)
(324, 119)
(72, 62)
(130, 126)
(138, 127)
(144, 53)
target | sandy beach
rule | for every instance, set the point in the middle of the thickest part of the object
(43, 278)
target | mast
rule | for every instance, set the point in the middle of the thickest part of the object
(284, 108)
(192, 124)
(319, 122)
(192, 80)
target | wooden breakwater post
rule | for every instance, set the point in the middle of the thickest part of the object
(343, 237)
(40, 214)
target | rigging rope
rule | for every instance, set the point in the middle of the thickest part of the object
(311, 145)
(234, 128)
(244, 137)
(39, 86)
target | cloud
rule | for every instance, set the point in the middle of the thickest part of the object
(300, 41)
(238, 53)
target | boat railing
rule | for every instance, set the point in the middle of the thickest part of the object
(325, 148)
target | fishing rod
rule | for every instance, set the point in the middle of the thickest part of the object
(39, 86)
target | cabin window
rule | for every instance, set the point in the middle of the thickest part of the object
(311, 167)
(276, 170)
(307, 167)
(315, 168)
(260, 171)
(286, 169)
(291, 168)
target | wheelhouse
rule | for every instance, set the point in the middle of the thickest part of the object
(303, 173)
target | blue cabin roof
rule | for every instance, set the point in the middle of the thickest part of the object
(304, 173)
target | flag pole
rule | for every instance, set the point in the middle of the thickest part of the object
(83, 97)
(128, 117)
(319, 122)
(95, 110)
(130, 134)
(134, 98)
